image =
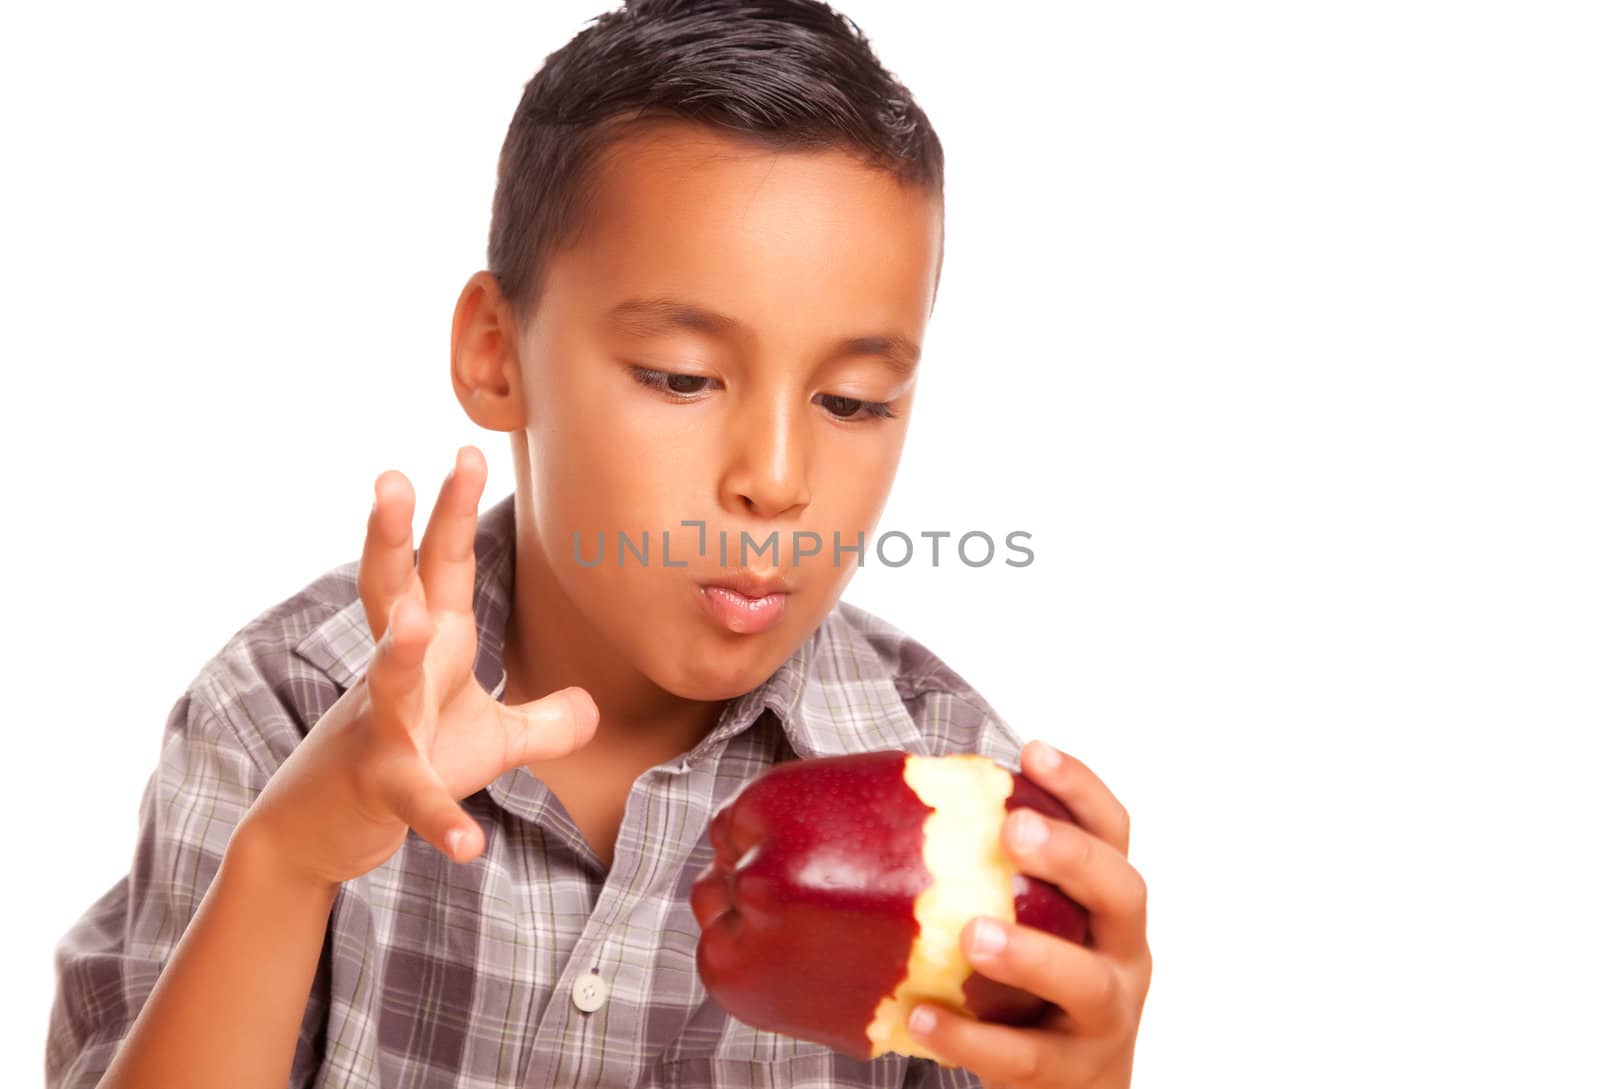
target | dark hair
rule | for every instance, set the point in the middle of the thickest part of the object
(786, 74)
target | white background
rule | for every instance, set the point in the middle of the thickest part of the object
(1275, 324)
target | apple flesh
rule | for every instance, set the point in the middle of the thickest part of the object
(840, 886)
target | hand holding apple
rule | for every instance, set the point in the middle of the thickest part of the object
(841, 888)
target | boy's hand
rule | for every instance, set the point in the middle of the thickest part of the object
(418, 731)
(1100, 989)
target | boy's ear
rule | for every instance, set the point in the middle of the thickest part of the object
(484, 367)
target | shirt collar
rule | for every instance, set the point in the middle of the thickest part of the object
(836, 694)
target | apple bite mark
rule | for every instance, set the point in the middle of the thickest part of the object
(972, 875)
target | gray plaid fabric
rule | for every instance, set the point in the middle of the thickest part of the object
(442, 974)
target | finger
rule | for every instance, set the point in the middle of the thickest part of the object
(396, 680)
(445, 561)
(1090, 800)
(387, 561)
(1086, 868)
(998, 1053)
(548, 727)
(1085, 983)
(413, 792)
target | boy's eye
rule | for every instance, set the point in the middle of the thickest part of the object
(687, 385)
(681, 384)
(852, 408)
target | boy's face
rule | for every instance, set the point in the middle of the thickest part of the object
(748, 273)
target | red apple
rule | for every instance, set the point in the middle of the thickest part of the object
(840, 888)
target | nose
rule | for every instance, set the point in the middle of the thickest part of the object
(768, 472)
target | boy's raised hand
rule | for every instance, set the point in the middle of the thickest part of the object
(417, 732)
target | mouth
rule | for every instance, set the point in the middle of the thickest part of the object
(745, 603)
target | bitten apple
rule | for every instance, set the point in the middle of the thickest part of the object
(840, 887)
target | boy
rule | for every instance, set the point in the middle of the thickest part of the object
(433, 820)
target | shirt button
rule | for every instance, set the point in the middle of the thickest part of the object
(589, 993)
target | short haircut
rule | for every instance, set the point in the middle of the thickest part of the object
(782, 74)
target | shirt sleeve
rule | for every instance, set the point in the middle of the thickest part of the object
(959, 720)
(107, 963)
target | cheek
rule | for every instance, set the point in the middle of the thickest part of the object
(601, 474)
(853, 480)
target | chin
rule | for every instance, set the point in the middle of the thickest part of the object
(708, 682)
(724, 668)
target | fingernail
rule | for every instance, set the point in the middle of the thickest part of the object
(921, 1021)
(988, 938)
(452, 841)
(1049, 758)
(1027, 830)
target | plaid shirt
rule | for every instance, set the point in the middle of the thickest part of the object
(469, 975)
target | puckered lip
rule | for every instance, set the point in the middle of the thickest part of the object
(751, 583)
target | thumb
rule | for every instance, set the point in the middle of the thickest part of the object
(550, 726)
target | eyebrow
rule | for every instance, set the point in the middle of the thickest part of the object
(653, 316)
